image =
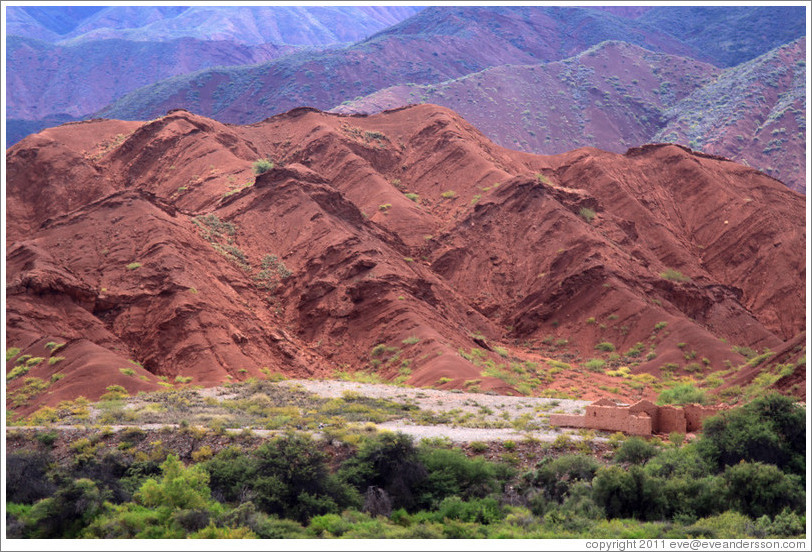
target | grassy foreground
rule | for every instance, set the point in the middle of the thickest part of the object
(744, 477)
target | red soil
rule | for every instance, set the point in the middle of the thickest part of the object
(504, 260)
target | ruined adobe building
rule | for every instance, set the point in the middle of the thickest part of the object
(641, 418)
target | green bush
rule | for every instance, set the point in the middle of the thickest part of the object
(27, 478)
(554, 478)
(452, 473)
(12, 352)
(635, 450)
(262, 525)
(66, 513)
(771, 430)
(484, 510)
(685, 497)
(624, 493)
(727, 525)
(587, 214)
(605, 346)
(674, 275)
(211, 531)
(291, 479)
(679, 462)
(128, 521)
(683, 393)
(16, 372)
(786, 524)
(390, 462)
(262, 166)
(757, 489)
(230, 472)
(330, 525)
(179, 487)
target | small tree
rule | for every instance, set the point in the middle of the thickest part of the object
(635, 450)
(388, 461)
(180, 487)
(771, 429)
(756, 489)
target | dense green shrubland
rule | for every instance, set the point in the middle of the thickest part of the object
(744, 477)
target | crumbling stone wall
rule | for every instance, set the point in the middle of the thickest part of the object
(639, 424)
(649, 408)
(694, 414)
(609, 418)
(671, 420)
(568, 420)
(642, 418)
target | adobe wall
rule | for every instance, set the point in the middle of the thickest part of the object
(642, 418)
(649, 408)
(671, 420)
(639, 424)
(568, 420)
(694, 414)
(609, 418)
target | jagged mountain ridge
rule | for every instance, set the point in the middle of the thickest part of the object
(247, 25)
(437, 44)
(44, 76)
(65, 63)
(616, 95)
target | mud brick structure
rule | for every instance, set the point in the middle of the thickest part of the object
(641, 418)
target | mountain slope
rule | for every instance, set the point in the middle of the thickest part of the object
(20, 23)
(247, 25)
(44, 79)
(437, 44)
(729, 34)
(755, 112)
(611, 97)
(617, 95)
(59, 20)
(405, 244)
(53, 58)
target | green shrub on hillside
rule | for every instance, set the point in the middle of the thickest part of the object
(674, 275)
(262, 166)
(683, 393)
(587, 214)
(605, 346)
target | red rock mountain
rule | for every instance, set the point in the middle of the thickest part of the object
(403, 243)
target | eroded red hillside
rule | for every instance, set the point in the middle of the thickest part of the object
(403, 243)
